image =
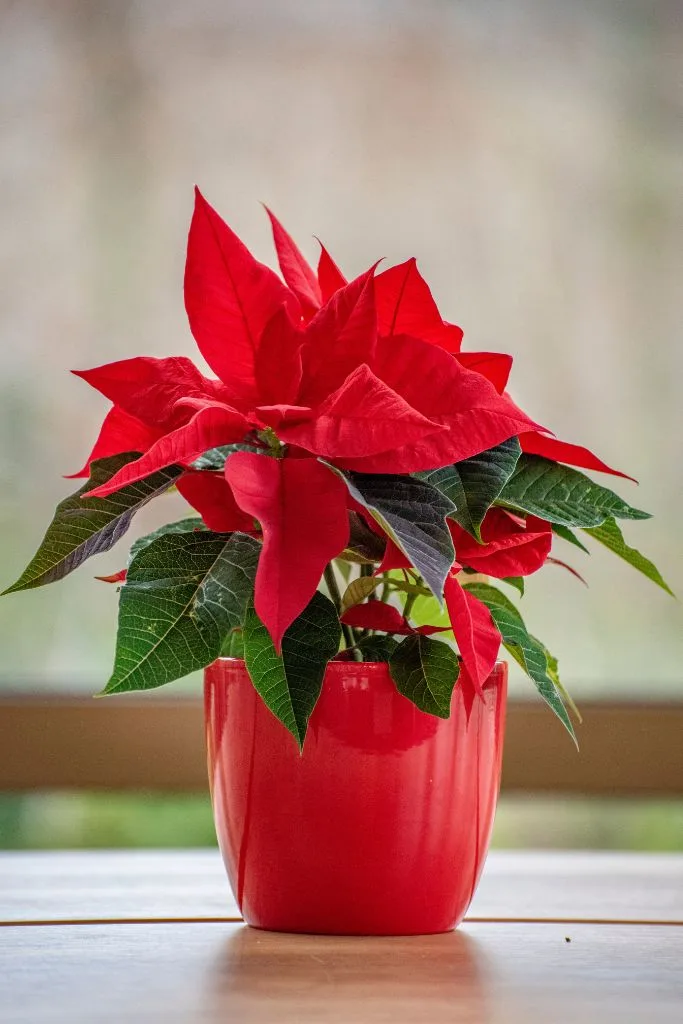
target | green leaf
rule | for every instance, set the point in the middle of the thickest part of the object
(83, 527)
(365, 546)
(414, 514)
(377, 647)
(358, 590)
(566, 534)
(515, 581)
(611, 536)
(184, 593)
(290, 683)
(188, 525)
(215, 458)
(562, 495)
(233, 645)
(474, 484)
(425, 671)
(553, 672)
(524, 648)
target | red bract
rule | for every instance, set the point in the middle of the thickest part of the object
(330, 277)
(478, 639)
(295, 269)
(301, 506)
(495, 366)
(405, 305)
(116, 577)
(384, 617)
(362, 417)
(211, 496)
(120, 432)
(366, 375)
(560, 451)
(229, 297)
(210, 427)
(340, 337)
(465, 403)
(511, 546)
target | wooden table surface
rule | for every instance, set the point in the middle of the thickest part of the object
(121, 938)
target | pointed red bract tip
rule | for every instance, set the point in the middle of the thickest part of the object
(296, 270)
(330, 277)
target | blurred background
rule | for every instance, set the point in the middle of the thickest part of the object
(527, 152)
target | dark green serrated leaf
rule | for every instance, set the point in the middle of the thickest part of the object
(562, 495)
(524, 648)
(184, 593)
(517, 582)
(290, 683)
(83, 527)
(611, 536)
(566, 534)
(474, 484)
(425, 671)
(377, 648)
(414, 514)
(215, 458)
(188, 525)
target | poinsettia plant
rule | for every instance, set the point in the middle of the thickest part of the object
(353, 473)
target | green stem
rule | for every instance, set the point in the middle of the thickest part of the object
(407, 608)
(335, 597)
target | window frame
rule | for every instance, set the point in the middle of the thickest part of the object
(70, 742)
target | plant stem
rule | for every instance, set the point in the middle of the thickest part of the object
(335, 597)
(411, 598)
(410, 601)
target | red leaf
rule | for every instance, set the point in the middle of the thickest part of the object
(229, 298)
(278, 361)
(295, 269)
(377, 615)
(330, 277)
(404, 302)
(509, 548)
(394, 558)
(448, 337)
(211, 496)
(362, 417)
(495, 366)
(569, 568)
(339, 339)
(474, 629)
(116, 577)
(301, 506)
(149, 389)
(560, 451)
(466, 403)
(119, 433)
(405, 305)
(209, 428)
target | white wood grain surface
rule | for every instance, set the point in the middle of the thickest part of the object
(69, 886)
(157, 948)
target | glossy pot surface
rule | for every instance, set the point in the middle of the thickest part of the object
(380, 828)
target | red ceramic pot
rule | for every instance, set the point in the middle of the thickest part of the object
(380, 828)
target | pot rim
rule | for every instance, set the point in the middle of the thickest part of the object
(369, 666)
